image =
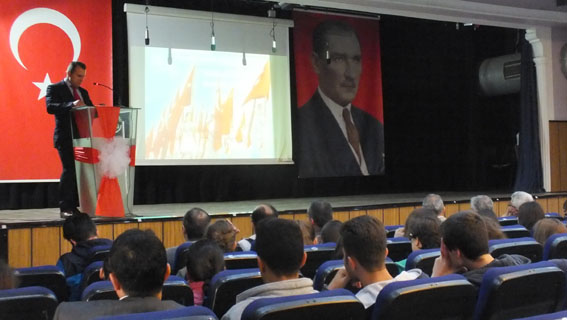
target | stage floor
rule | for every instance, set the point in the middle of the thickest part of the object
(173, 210)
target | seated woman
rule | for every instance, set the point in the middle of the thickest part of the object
(422, 228)
(545, 228)
(223, 233)
(204, 260)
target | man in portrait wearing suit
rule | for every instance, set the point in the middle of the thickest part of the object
(336, 137)
(137, 267)
(61, 97)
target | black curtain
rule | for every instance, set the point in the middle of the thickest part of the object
(529, 174)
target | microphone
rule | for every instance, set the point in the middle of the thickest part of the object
(109, 88)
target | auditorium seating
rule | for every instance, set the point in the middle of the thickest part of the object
(555, 247)
(27, 303)
(180, 259)
(50, 277)
(515, 231)
(398, 248)
(241, 260)
(316, 255)
(423, 259)
(187, 313)
(98, 253)
(91, 274)
(391, 230)
(447, 297)
(507, 221)
(553, 215)
(333, 304)
(548, 316)
(520, 291)
(326, 272)
(525, 246)
(226, 285)
(174, 288)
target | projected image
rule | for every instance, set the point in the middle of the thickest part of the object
(207, 105)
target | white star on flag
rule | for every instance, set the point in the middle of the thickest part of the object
(43, 86)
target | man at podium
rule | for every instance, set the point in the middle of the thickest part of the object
(61, 97)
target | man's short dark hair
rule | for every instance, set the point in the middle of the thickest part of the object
(261, 212)
(195, 223)
(279, 244)
(319, 36)
(321, 212)
(364, 238)
(79, 227)
(138, 260)
(331, 231)
(467, 232)
(74, 64)
(423, 224)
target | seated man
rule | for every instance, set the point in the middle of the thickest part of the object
(279, 245)
(319, 212)
(137, 268)
(517, 199)
(195, 222)
(364, 253)
(80, 231)
(261, 212)
(464, 249)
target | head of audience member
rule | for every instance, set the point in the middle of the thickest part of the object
(307, 232)
(78, 228)
(488, 213)
(464, 241)
(137, 264)
(481, 202)
(320, 212)
(545, 228)
(331, 231)
(364, 249)
(529, 213)
(204, 259)
(434, 202)
(223, 233)
(195, 223)
(7, 278)
(517, 199)
(493, 228)
(261, 212)
(565, 208)
(279, 245)
(422, 228)
(336, 59)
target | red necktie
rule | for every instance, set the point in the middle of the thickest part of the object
(352, 133)
(76, 94)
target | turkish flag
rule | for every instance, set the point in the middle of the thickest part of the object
(38, 39)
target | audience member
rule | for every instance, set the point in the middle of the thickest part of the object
(529, 213)
(137, 267)
(280, 256)
(434, 202)
(481, 202)
(517, 199)
(422, 228)
(547, 227)
(223, 233)
(307, 232)
(331, 231)
(204, 260)
(493, 227)
(565, 209)
(7, 278)
(80, 230)
(261, 212)
(320, 212)
(364, 255)
(195, 223)
(401, 232)
(464, 249)
(488, 213)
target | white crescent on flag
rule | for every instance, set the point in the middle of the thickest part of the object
(43, 15)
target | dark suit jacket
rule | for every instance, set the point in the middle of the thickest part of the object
(59, 100)
(83, 310)
(325, 151)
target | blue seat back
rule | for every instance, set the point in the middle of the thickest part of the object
(398, 248)
(99, 253)
(226, 285)
(91, 274)
(326, 305)
(241, 260)
(515, 231)
(325, 273)
(27, 303)
(180, 258)
(447, 297)
(548, 316)
(391, 230)
(423, 259)
(316, 255)
(520, 291)
(187, 313)
(507, 221)
(555, 247)
(525, 246)
(50, 277)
